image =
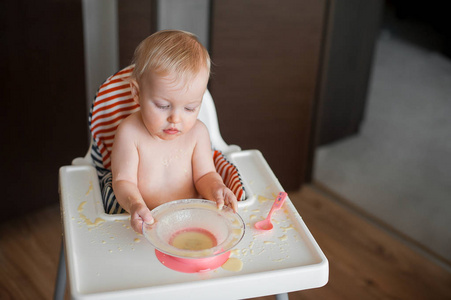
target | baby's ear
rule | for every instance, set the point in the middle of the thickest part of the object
(135, 90)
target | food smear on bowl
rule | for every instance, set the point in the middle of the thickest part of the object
(193, 239)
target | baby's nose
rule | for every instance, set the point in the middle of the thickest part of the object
(174, 117)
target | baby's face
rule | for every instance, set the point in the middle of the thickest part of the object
(169, 108)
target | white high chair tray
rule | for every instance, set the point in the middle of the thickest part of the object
(106, 259)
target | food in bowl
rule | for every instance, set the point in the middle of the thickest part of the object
(194, 228)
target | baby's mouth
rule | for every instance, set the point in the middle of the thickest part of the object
(171, 131)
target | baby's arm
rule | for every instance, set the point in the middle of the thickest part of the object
(208, 182)
(124, 165)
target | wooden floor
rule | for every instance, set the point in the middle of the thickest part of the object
(365, 262)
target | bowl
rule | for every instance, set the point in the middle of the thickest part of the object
(193, 229)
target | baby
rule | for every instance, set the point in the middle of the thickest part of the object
(163, 152)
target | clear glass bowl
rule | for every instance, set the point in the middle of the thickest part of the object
(196, 215)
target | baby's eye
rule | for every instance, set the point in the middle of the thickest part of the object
(163, 107)
(190, 109)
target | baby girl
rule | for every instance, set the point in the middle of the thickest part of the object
(163, 152)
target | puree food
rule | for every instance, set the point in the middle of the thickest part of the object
(193, 239)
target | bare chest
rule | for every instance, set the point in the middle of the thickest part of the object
(169, 159)
(165, 170)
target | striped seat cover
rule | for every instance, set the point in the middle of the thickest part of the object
(112, 104)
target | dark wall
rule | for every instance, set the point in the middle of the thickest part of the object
(43, 116)
(137, 20)
(353, 30)
(267, 57)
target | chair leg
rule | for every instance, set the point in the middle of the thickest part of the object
(60, 285)
(282, 296)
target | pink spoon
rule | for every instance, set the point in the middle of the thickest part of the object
(266, 223)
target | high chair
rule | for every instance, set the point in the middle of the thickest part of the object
(106, 259)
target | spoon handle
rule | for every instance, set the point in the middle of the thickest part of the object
(278, 203)
(280, 200)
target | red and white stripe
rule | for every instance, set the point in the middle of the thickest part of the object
(229, 174)
(113, 103)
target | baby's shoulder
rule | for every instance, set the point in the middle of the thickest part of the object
(130, 125)
(200, 129)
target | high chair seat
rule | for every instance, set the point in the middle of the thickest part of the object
(106, 259)
(112, 104)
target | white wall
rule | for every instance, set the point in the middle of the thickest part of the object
(101, 43)
(192, 16)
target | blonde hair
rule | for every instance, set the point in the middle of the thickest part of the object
(171, 52)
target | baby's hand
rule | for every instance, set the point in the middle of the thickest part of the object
(224, 196)
(140, 213)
